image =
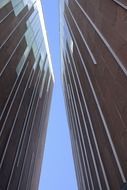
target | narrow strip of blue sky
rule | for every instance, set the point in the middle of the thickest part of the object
(58, 168)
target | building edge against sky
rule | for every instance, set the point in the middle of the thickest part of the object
(94, 74)
(26, 84)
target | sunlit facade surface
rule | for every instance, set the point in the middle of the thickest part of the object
(26, 84)
(94, 72)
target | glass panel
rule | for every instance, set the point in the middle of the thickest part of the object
(3, 3)
(28, 2)
(22, 61)
(43, 82)
(17, 6)
(49, 80)
(34, 36)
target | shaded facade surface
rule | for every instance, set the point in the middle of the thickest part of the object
(94, 70)
(26, 83)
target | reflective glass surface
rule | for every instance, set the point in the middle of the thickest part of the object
(34, 34)
(3, 3)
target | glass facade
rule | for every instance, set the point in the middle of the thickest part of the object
(26, 84)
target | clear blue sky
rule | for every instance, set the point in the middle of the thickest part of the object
(58, 168)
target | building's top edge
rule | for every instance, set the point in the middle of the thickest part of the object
(40, 12)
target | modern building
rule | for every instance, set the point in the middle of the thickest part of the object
(26, 84)
(94, 69)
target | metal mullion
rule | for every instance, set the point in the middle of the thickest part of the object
(102, 116)
(2, 128)
(15, 49)
(32, 126)
(1, 131)
(117, 59)
(18, 44)
(77, 147)
(10, 11)
(91, 126)
(31, 130)
(2, 159)
(74, 147)
(89, 141)
(22, 133)
(13, 30)
(39, 133)
(82, 138)
(121, 4)
(87, 133)
(84, 40)
(30, 170)
(28, 113)
(15, 84)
